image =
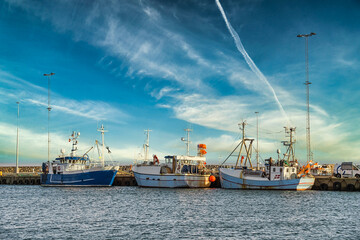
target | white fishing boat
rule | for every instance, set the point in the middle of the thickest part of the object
(75, 170)
(177, 171)
(276, 175)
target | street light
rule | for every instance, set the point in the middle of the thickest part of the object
(49, 109)
(257, 140)
(17, 138)
(307, 83)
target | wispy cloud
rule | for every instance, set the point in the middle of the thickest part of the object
(200, 79)
(18, 89)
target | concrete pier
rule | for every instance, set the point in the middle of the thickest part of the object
(326, 183)
(20, 179)
(125, 178)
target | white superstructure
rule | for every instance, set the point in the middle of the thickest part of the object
(176, 170)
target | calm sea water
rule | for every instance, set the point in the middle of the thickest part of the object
(34, 212)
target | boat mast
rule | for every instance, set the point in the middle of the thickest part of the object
(74, 137)
(188, 130)
(102, 157)
(146, 145)
(289, 156)
(248, 149)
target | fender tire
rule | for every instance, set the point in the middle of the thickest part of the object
(337, 186)
(324, 187)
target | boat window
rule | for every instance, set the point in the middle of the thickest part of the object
(280, 169)
(287, 170)
(273, 169)
(293, 170)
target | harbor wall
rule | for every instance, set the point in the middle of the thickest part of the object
(30, 175)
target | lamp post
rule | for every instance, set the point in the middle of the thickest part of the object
(307, 83)
(257, 140)
(49, 109)
(17, 138)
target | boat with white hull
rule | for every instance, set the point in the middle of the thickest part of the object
(236, 179)
(79, 170)
(178, 171)
(280, 175)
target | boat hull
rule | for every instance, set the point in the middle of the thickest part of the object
(172, 180)
(232, 179)
(86, 178)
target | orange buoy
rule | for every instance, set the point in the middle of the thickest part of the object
(203, 152)
(201, 145)
(212, 178)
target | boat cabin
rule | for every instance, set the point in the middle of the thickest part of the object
(185, 164)
(64, 164)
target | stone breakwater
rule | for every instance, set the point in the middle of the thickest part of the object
(27, 169)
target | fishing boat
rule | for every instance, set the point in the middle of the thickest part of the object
(282, 174)
(177, 171)
(74, 170)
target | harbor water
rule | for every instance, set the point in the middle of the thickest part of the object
(35, 212)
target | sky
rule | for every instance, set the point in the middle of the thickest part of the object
(172, 65)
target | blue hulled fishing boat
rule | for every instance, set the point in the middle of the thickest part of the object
(76, 170)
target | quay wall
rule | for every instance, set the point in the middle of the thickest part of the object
(26, 169)
(30, 175)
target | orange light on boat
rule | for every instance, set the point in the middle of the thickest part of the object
(212, 178)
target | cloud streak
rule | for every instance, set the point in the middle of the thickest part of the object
(249, 61)
(21, 90)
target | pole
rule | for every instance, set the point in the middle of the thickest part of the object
(103, 145)
(307, 83)
(49, 109)
(257, 140)
(17, 139)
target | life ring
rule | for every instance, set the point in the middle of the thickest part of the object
(155, 159)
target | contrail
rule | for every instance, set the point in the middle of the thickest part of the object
(248, 60)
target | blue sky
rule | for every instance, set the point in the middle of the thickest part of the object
(169, 65)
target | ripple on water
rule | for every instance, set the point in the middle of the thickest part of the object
(34, 212)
